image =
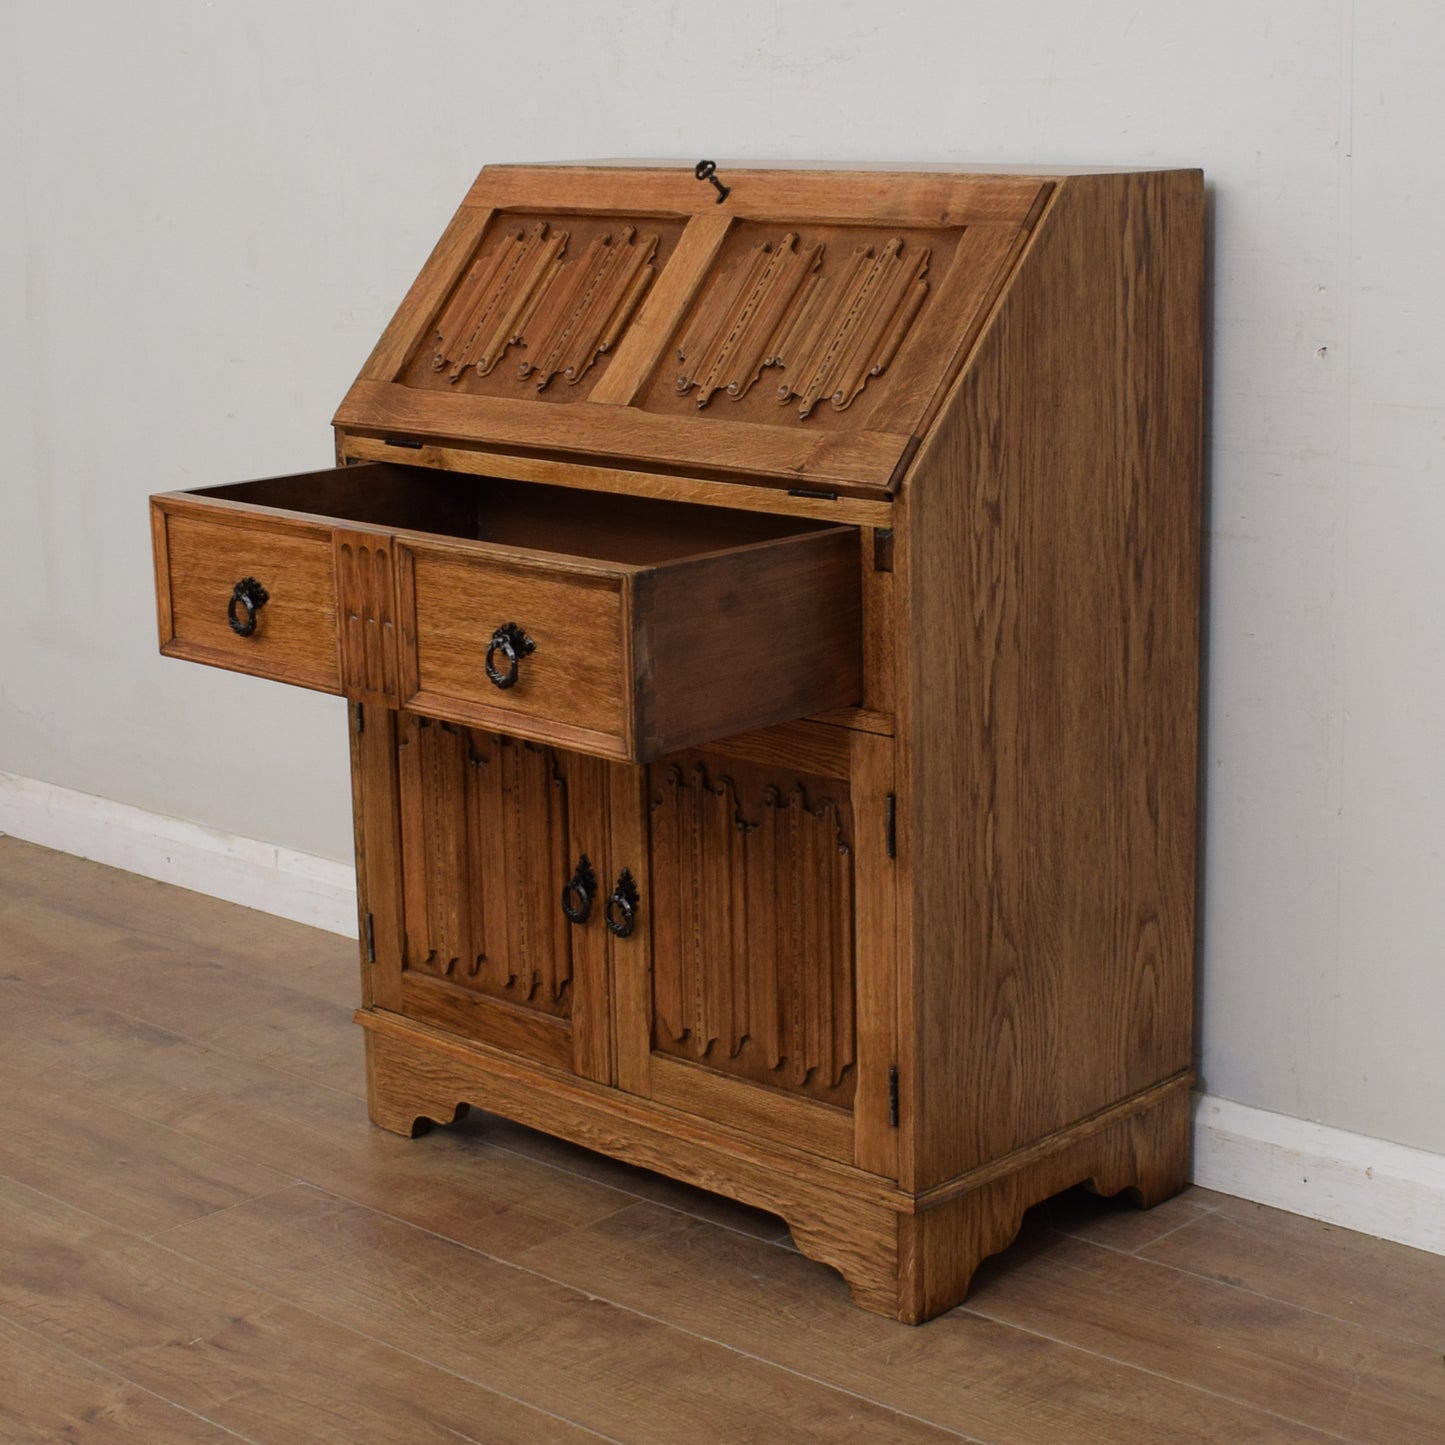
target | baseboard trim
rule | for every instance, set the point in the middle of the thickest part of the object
(291, 885)
(1352, 1180)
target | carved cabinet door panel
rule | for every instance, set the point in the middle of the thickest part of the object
(738, 988)
(498, 838)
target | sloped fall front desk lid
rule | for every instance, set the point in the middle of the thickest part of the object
(800, 332)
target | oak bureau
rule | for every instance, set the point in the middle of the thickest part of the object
(767, 601)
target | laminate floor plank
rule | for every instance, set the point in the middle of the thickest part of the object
(619, 1371)
(960, 1371)
(122, 1169)
(159, 1074)
(230, 1352)
(1373, 1283)
(49, 1394)
(206, 991)
(1358, 1383)
(293, 1129)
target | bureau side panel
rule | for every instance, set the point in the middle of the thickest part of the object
(1052, 566)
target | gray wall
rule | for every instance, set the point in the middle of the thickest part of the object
(210, 211)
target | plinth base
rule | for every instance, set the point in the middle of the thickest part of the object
(907, 1256)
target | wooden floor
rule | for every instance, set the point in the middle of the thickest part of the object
(203, 1239)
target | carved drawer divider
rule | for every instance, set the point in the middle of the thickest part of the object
(564, 314)
(366, 604)
(827, 335)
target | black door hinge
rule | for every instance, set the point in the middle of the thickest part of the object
(893, 1097)
(360, 715)
(891, 809)
(370, 939)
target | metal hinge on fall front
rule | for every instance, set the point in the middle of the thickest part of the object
(893, 1097)
(370, 939)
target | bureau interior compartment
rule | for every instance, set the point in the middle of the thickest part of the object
(602, 526)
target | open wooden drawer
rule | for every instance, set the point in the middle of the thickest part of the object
(616, 625)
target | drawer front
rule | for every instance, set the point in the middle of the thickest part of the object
(567, 665)
(289, 636)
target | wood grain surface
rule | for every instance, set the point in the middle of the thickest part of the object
(941, 197)
(1051, 571)
(618, 480)
(858, 462)
(735, 640)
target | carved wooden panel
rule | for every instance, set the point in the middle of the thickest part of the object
(752, 923)
(484, 857)
(543, 300)
(366, 599)
(826, 317)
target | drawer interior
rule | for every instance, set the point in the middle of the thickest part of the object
(603, 526)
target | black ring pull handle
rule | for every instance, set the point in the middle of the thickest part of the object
(622, 905)
(249, 595)
(579, 891)
(514, 645)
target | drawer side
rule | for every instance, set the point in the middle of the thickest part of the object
(747, 639)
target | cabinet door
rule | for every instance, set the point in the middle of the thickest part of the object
(491, 830)
(763, 921)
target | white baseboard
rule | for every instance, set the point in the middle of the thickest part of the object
(276, 880)
(1347, 1179)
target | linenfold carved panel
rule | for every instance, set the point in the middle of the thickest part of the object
(555, 299)
(484, 855)
(826, 329)
(752, 902)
